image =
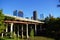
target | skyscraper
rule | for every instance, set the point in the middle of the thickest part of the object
(35, 15)
(20, 14)
(58, 4)
(32, 17)
(15, 13)
(41, 16)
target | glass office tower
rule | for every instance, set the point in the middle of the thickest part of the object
(15, 13)
(20, 14)
(35, 15)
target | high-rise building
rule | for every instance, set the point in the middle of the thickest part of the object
(58, 4)
(59, 0)
(15, 13)
(20, 14)
(32, 17)
(35, 15)
(41, 16)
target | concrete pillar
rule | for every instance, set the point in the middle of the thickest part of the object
(35, 29)
(22, 31)
(27, 31)
(2, 35)
(11, 30)
(18, 31)
(6, 29)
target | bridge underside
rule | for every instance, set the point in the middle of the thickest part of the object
(21, 28)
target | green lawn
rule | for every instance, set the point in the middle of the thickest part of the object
(35, 38)
(32, 38)
(42, 38)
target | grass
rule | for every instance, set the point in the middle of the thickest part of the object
(34, 38)
(42, 38)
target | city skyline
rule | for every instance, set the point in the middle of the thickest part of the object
(28, 6)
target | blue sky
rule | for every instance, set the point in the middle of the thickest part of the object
(28, 6)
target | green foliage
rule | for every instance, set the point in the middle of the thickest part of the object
(2, 39)
(12, 34)
(9, 18)
(53, 23)
(2, 27)
(53, 26)
(32, 33)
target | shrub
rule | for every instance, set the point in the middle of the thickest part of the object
(32, 33)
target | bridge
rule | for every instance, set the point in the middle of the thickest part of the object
(21, 24)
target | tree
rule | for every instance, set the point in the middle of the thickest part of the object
(2, 27)
(52, 27)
